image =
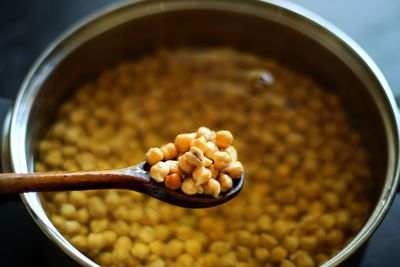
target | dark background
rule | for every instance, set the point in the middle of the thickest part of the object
(27, 27)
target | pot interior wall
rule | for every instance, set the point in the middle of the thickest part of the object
(205, 28)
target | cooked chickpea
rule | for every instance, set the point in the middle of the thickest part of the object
(193, 247)
(212, 187)
(221, 160)
(278, 254)
(211, 148)
(173, 181)
(157, 247)
(96, 241)
(159, 171)
(261, 254)
(304, 260)
(184, 165)
(154, 155)
(201, 175)
(194, 157)
(140, 250)
(225, 181)
(224, 139)
(287, 263)
(68, 211)
(183, 141)
(189, 186)
(307, 168)
(232, 152)
(80, 241)
(291, 243)
(206, 133)
(200, 142)
(308, 242)
(235, 170)
(173, 248)
(219, 247)
(78, 198)
(169, 151)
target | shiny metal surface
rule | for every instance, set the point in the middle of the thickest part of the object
(41, 90)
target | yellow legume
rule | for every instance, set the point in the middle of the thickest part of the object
(306, 167)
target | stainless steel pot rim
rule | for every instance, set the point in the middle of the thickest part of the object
(82, 31)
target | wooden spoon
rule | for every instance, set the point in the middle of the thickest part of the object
(135, 178)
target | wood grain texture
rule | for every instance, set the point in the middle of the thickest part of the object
(135, 178)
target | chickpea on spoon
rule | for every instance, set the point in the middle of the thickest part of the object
(198, 170)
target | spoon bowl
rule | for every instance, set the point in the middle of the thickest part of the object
(135, 178)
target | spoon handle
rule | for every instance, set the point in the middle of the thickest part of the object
(63, 181)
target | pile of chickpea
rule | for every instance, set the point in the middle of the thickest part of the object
(307, 176)
(203, 162)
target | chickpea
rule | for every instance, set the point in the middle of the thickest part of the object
(225, 181)
(278, 253)
(334, 237)
(97, 209)
(307, 169)
(185, 260)
(184, 165)
(219, 247)
(235, 169)
(206, 133)
(80, 241)
(157, 247)
(78, 198)
(201, 175)
(68, 211)
(221, 160)
(189, 186)
(194, 157)
(140, 250)
(173, 181)
(173, 248)
(193, 247)
(224, 139)
(211, 149)
(232, 152)
(96, 241)
(183, 141)
(308, 242)
(154, 155)
(304, 260)
(147, 234)
(212, 187)
(214, 171)
(105, 258)
(159, 171)
(287, 263)
(261, 254)
(169, 151)
(291, 243)
(200, 142)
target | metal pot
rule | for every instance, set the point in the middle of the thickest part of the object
(271, 28)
